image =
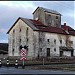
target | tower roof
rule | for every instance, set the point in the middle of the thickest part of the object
(47, 10)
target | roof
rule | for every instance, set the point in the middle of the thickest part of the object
(48, 10)
(38, 26)
(27, 21)
(3, 48)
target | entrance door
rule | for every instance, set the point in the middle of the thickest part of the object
(48, 52)
(61, 53)
(72, 53)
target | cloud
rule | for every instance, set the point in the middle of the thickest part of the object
(11, 10)
(3, 30)
(25, 4)
(3, 41)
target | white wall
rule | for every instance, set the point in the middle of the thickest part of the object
(22, 34)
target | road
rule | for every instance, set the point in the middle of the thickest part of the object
(12, 70)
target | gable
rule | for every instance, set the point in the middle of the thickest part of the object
(25, 21)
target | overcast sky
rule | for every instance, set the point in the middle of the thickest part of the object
(11, 10)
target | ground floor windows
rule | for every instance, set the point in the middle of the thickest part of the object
(48, 52)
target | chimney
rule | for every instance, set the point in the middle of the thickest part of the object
(65, 27)
(64, 24)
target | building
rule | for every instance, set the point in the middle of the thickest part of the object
(44, 35)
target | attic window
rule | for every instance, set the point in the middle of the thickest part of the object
(13, 30)
(20, 29)
(56, 17)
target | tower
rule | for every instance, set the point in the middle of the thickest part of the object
(47, 17)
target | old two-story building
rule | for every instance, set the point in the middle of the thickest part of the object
(44, 35)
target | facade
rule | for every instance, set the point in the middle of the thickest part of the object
(44, 35)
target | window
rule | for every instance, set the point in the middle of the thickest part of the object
(27, 31)
(14, 31)
(48, 40)
(40, 49)
(40, 39)
(27, 28)
(55, 49)
(13, 41)
(60, 41)
(71, 42)
(55, 41)
(56, 17)
(48, 52)
(20, 29)
(27, 39)
(13, 51)
(20, 40)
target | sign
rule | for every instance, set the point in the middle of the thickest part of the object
(23, 58)
(23, 55)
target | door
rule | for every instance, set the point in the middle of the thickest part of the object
(72, 53)
(48, 52)
(61, 53)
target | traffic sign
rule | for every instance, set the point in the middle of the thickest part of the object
(23, 53)
(23, 58)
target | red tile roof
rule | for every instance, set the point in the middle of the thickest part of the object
(37, 23)
(50, 29)
(38, 26)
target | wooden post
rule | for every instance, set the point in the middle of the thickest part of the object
(43, 61)
(23, 64)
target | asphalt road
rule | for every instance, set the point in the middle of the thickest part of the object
(12, 70)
